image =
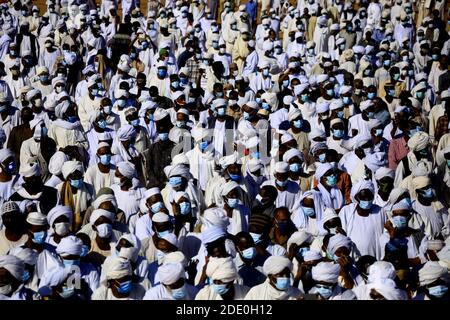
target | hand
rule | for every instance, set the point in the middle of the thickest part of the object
(292, 251)
(390, 228)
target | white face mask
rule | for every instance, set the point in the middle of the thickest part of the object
(129, 253)
(104, 230)
(62, 228)
(38, 103)
(222, 50)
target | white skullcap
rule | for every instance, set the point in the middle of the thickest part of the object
(281, 167)
(151, 192)
(328, 214)
(70, 245)
(160, 217)
(70, 167)
(127, 169)
(276, 264)
(170, 273)
(381, 270)
(57, 212)
(312, 255)
(326, 271)
(228, 187)
(299, 237)
(291, 153)
(97, 213)
(337, 241)
(432, 271)
(223, 269)
(171, 238)
(212, 233)
(37, 219)
(13, 264)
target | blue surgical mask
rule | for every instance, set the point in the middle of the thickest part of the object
(179, 293)
(281, 183)
(330, 92)
(175, 181)
(175, 84)
(156, 207)
(39, 237)
(347, 100)
(448, 163)
(232, 202)
(84, 250)
(310, 212)
(370, 115)
(265, 72)
(428, 193)
(391, 92)
(400, 222)
(221, 111)
(162, 234)
(258, 100)
(340, 114)
(283, 283)
(246, 115)
(435, 57)
(265, 106)
(302, 251)
(255, 155)
(331, 180)
(387, 63)
(249, 253)
(101, 124)
(438, 291)
(420, 95)
(72, 119)
(295, 167)
(125, 287)
(396, 76)
(203, 145)
(220, 288)
(105, 159)
(285, 83)
(234, 177)
(25, 276)
(256, 237)
(162, 73)
(76, 183)
(70, 263)
(121, 103)
(338, 133)
(163, 136)
(322, 157)
(378, 132)
(304, 97)
(298, 123)
(365, 204)
(180, 124)
(371, 95)
(324, 291)
(67, 292)
(185, 208)
(135, 122)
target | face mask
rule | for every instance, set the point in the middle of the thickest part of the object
(322, 157)
(435, 57)
(338, 133)
(387, 63)
(6, 289)
(298, 123)
(396, 76)
(371, 95)
(281, 183)
(162, 73)
(219, 94)
(179, 293)
(310, 212)
(265, 106)
(399, 222)
(62, 228)
(438, 291)
(220, 288)
(285, 83)
(295, 167)
(76, 183)
(265, 72)
(67, 292)
(70, 263)
(43, 78)
(222, 50)
(101, 124)
(347, 100)
(105, 159)
(333, 230)
(39, 237)
(160, 256)
(429, 193)
(104, 230)
(26, 276)
(203, 145)
(72, 119)
(121, 103)
(256, 237)
(370, 115)
(325, 291)
(107, 109)
(221, 111)
(163, 136)
(175, 181)
(84, 250)
(283, 283)
(156, 207)
(58, 89)
(420, 95)
(11, 168)
(249, 253)
(232, 202)
(331, 180)
(330, 92)
(185, 208)
(175, 84)
(365, 204)
(125, 287)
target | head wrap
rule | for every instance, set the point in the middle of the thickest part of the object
(222, 269)
(228, 187)
(97, 213)
(70, 245)
(326, 271)
(338, 241)
(419, 141)
(13, 264)
(37, 219)
(361, 185)
(381, 270)
(382, 172)
(70, 167)
(212, 233)
(116, 267)
(322, 169)
(127, 169)
(299, 237)
(170, 273)
(27, 255)
(175, 257)
(57, 212)
(276, 264)
(432, 271)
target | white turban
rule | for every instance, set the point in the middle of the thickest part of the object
(126, 132)
(224, 162)
(322, 169)
(104, 198)
(222, 269)
(61, 108)
(212, 233)
(276, 264)
(127, 169)
(70, 167)
(175, 257)
(384, 172)
(326, 271)
(328, 214)
(170, 273)
(199, 133)
(97, 213)
(432, 271)
(312, 255)
(299, 237)
(160, 217)
(57, 212)
(374, 161)
(228, 187)
(13, 264)
(381, 270)
(56, 162)
(387, 289)
(291, 153)
(70, 245)
(37, 219)
(419, 141)
(337, 241)
(216, 217)
(31, 170)
(178, 195)
(27, 255)
(178, 170)
(361, 185)
(115, 268)
(171, 238)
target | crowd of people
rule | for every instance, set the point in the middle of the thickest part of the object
(225, 150)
